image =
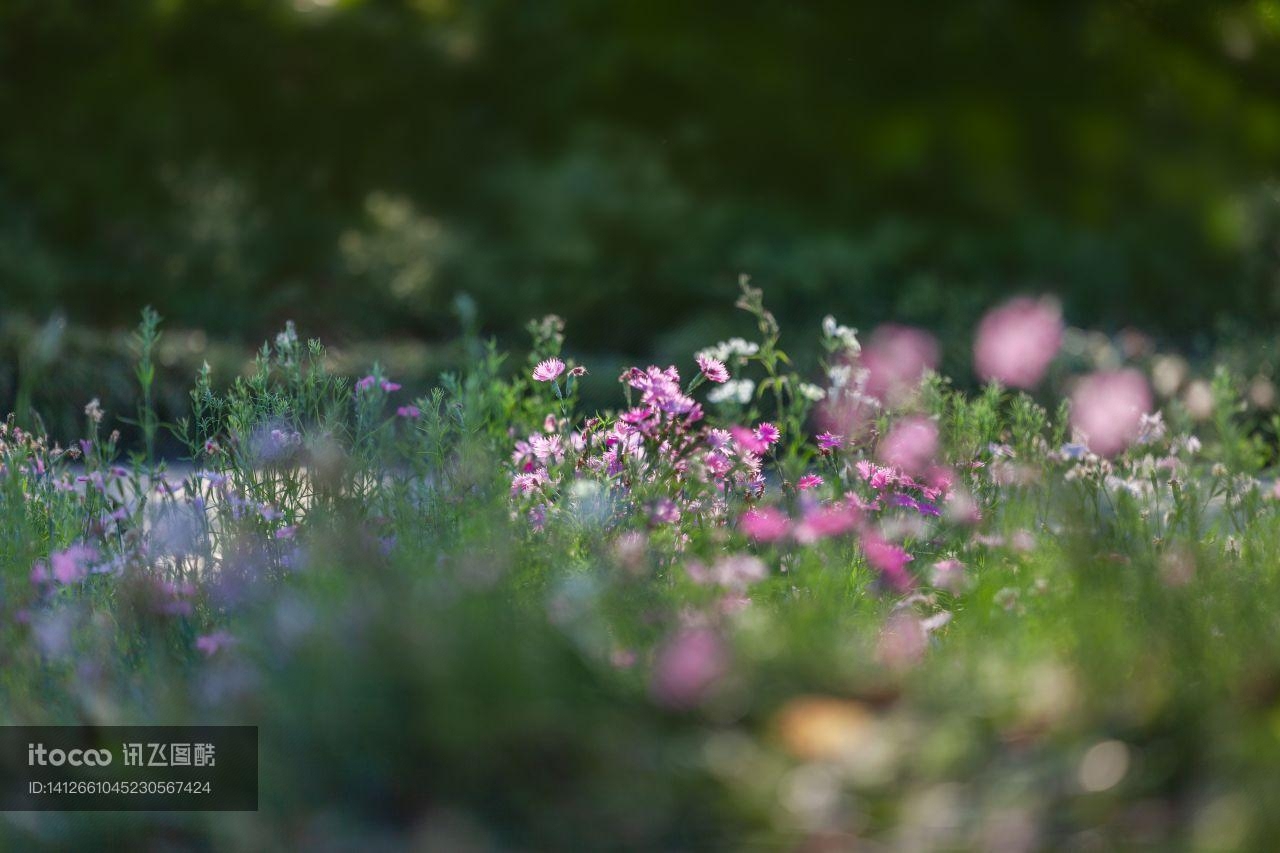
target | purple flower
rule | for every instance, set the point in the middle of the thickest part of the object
(410, 412)
(210, 644)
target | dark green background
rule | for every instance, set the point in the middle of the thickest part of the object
(355, 165)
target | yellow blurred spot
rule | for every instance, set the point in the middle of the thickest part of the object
(823, 728)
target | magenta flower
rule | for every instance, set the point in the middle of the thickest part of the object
(749, 441)
(713, 368)
(389, 386)
(366, 383)
(889, 560)
(1107, 409)
(548, 370)
(808, 481)
(765, 524)
(768, 433)
(688, 667)
(1017, 341)
(410, 412)
(910, 445)
(829, 441)
(210, 644)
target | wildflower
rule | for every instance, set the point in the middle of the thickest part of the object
(94, 410)
(889, 560)
(366, 383)
(664, 511)
(903, 641)
(688, 667)
(409, 412)
(825, 522)
(768, 433)
(829, 441)
(949, 575)
(71, 565)
(1017, 341)
(210, 644)
(577, 371)
(748, 440)
(548, 370)
(735, 390)
(896, 359)
(765, 524)
(713, 368)
(910, 445)
(809, 481)
(1107, 408)
(389, 387)
(811, 392)
(840, 337)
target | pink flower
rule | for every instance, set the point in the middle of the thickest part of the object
(713, 368)
(747, 440)
(389, 386)
(548, 370)
(768, 433)
(688, 667)
(829, 441)
(896, 359)
(409, 412)
(949, 575)
(808, 481)
(366, 383)
(825, 522)
(1107, 409)
(910, 445)
(577, 371)
(889, 560)
(211, 644)
(765, 524)
(72, 564)
(738, 571)
(1017, 341)
(903, 641)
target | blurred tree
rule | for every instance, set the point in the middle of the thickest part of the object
(355, 163)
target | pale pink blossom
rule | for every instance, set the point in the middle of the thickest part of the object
(903, 641)
(911, 445)
(548, 370)
(1107, 409)
(688, 667)
(896, 359)
(1017, 341)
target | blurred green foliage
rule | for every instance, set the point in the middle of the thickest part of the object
(354, 164)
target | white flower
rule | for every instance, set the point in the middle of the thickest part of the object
(810, 391)
(738, 390)
(843, 337)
